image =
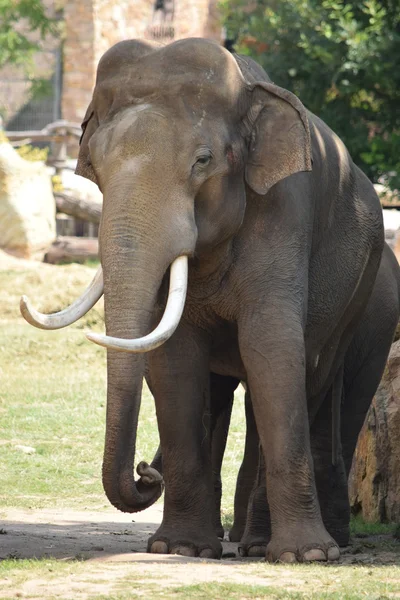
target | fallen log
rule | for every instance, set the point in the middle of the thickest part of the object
(80, 208)
(72, 249)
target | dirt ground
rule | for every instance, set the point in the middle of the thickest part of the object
(112, 547)
(111, 536)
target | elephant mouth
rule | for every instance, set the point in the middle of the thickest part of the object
(164, 330)
(169, 322)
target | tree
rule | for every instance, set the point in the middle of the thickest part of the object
(17, 45)
(340, 58)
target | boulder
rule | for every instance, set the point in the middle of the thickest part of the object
(374, 483)
(27, 206)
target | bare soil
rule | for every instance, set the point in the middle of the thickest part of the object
(111, 536)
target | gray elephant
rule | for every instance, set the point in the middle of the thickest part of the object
(364, 363)
(218, 180)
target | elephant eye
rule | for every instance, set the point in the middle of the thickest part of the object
(203, 160)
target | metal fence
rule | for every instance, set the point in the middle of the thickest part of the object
(20, 110)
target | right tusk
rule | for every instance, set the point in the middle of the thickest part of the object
(69, 315)
(169, 322)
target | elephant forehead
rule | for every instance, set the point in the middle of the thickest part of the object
(198, 70)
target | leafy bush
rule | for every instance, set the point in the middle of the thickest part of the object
(340, 58)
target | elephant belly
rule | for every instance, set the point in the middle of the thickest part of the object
(225, 354)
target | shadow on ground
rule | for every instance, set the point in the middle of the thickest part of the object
(116, 537)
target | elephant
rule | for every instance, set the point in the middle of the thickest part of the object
(364, 362)
(221, 183)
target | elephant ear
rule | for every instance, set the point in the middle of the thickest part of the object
(280, 142)
(84, 165)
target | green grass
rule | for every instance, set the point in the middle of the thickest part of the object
(358, 527)
(132, 580)
(53, 399)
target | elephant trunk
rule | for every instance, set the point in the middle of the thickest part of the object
(129, 306)
(136, 253)
(123, 403)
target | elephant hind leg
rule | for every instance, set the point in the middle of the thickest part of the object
(257, 532)
(221, 400)
(247, 474)
(330, 480)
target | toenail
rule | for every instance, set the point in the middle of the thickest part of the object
(159, 548)
(183, 551)
(206, 553)
(333, 553)
(288, 557)
(316, 554)
(256, 551)
(242, 551)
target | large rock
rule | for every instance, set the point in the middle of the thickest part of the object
(374, 485)
(27, 206)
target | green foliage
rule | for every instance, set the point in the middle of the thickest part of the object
(341, 58)
(19, 18)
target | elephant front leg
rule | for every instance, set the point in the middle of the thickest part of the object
(272, 348)
(180, 381)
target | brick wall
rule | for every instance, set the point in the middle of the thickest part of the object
(15, 84)
(92, 26)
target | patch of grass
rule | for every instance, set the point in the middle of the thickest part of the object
(92, 262)
(125, 581)
(221, 591)
(50, 288)
(359, 527)
(53, 400)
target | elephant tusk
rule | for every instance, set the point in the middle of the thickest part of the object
(69, 315)
(169, 322)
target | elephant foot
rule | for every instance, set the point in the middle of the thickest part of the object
(257, 530)
(236, 532)
(341, 534)
(302, 545)
(256, 547)
(196, 544)
(219, 531)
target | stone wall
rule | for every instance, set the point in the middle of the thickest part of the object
(92, 26)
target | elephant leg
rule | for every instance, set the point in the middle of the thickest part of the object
(247, 474)
(360, 385)
(180, 381)
(221, 397)
(275, 367)
(331, 480)
(257, 532)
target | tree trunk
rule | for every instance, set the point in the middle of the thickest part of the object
(72, 249)
(374, 483)
(80, 208)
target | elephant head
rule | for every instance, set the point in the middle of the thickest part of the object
(174, 137)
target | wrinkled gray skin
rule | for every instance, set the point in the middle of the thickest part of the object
(364, 364)
(363, 368)
(196, 156)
